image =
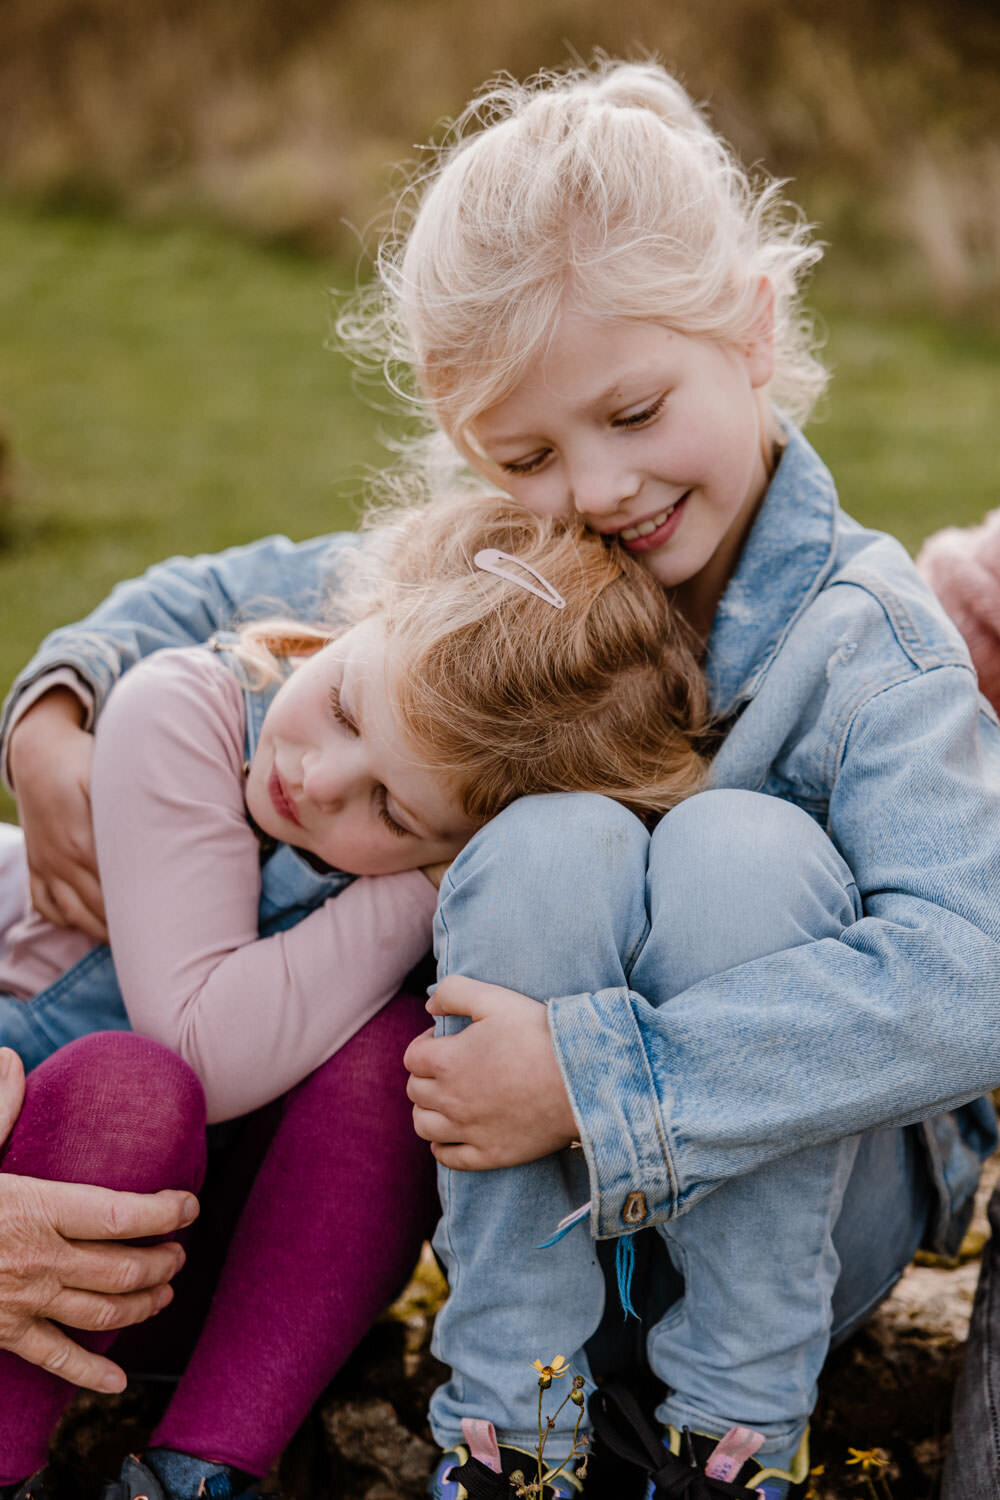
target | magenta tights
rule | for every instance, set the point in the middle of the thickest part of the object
(331, 1226)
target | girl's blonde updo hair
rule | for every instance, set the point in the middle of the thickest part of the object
(600, 189)
(505, 695)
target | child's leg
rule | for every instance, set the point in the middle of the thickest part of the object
(550, 899)
(547, 899)
(330, 1231)
(734, 876)
(117, 1110)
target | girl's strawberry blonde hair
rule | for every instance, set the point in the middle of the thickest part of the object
(506, 695)
(603, 190)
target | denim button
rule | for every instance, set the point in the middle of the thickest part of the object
(635, 1210)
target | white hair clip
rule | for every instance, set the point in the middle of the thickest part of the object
(490, 559)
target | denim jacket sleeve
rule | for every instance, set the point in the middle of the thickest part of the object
(898, 1020)
(182, 602)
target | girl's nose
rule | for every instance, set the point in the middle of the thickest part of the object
(601, 488)
(326, 780)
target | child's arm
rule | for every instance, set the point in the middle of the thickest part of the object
(44, 732)
(896, 1021)
(180, 866)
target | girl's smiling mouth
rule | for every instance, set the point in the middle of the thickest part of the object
(650, 534)
(283, 804)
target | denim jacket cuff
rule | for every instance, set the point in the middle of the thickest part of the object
(613, 1095)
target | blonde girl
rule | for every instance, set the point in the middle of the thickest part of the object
(600, 310)
(481, 655)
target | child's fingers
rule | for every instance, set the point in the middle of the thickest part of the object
(419, 1055)
(462, 1158)
(458, 996)
(76, 905)
(433, 1126)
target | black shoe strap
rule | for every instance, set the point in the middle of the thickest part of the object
(622, 1425)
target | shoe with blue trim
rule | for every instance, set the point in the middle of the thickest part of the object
(693, 1464)
(137, 1481)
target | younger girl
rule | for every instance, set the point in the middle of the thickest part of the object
(474, 635)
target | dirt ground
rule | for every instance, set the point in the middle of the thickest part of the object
(888, 1388)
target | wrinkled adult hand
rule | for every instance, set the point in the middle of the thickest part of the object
(491, 1095)
(59, 1262)
(50, 759)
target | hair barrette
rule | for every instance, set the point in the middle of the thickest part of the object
(490, 560)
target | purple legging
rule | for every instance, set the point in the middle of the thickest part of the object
(331, 1226)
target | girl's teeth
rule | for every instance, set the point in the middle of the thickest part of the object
(645, 528)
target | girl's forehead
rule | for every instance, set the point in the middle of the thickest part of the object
(589, 360)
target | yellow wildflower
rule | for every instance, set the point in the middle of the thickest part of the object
(548, 1373)
(869, 1458)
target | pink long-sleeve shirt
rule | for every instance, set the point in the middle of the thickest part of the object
(180, 871)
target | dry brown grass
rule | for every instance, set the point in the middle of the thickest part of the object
(280, 116)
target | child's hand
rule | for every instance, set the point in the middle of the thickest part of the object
(492, 1095)
(50, 757)
(436, 873)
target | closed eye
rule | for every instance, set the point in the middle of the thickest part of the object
(526, 465)
(340, 713)
(640, 418)
(387, 817)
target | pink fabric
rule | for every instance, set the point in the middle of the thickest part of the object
(113, 1109)
(963, 568)
(180, 871)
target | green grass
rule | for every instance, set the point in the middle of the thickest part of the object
(169, 391)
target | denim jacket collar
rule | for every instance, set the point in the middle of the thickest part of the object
(786, 560)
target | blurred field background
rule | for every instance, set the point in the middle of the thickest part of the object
(182, 181)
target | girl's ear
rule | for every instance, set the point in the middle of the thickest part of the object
(759, 347)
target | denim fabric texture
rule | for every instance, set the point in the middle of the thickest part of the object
(775, 1262)
(846, 693)
(87, 996)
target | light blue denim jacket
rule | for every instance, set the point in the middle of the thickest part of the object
(850, 694)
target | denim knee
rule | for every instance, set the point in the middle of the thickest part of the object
(551, 889)
(736, 875)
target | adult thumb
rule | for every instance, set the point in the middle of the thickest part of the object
(11, 1090)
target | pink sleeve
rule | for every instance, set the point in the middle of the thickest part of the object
(180, 870)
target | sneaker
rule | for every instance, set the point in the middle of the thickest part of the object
(138, 1482)
(712, 1467)
(485, 1474)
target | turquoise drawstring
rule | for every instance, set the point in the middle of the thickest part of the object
(625, 1267)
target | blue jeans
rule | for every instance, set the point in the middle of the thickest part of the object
(569, 894)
